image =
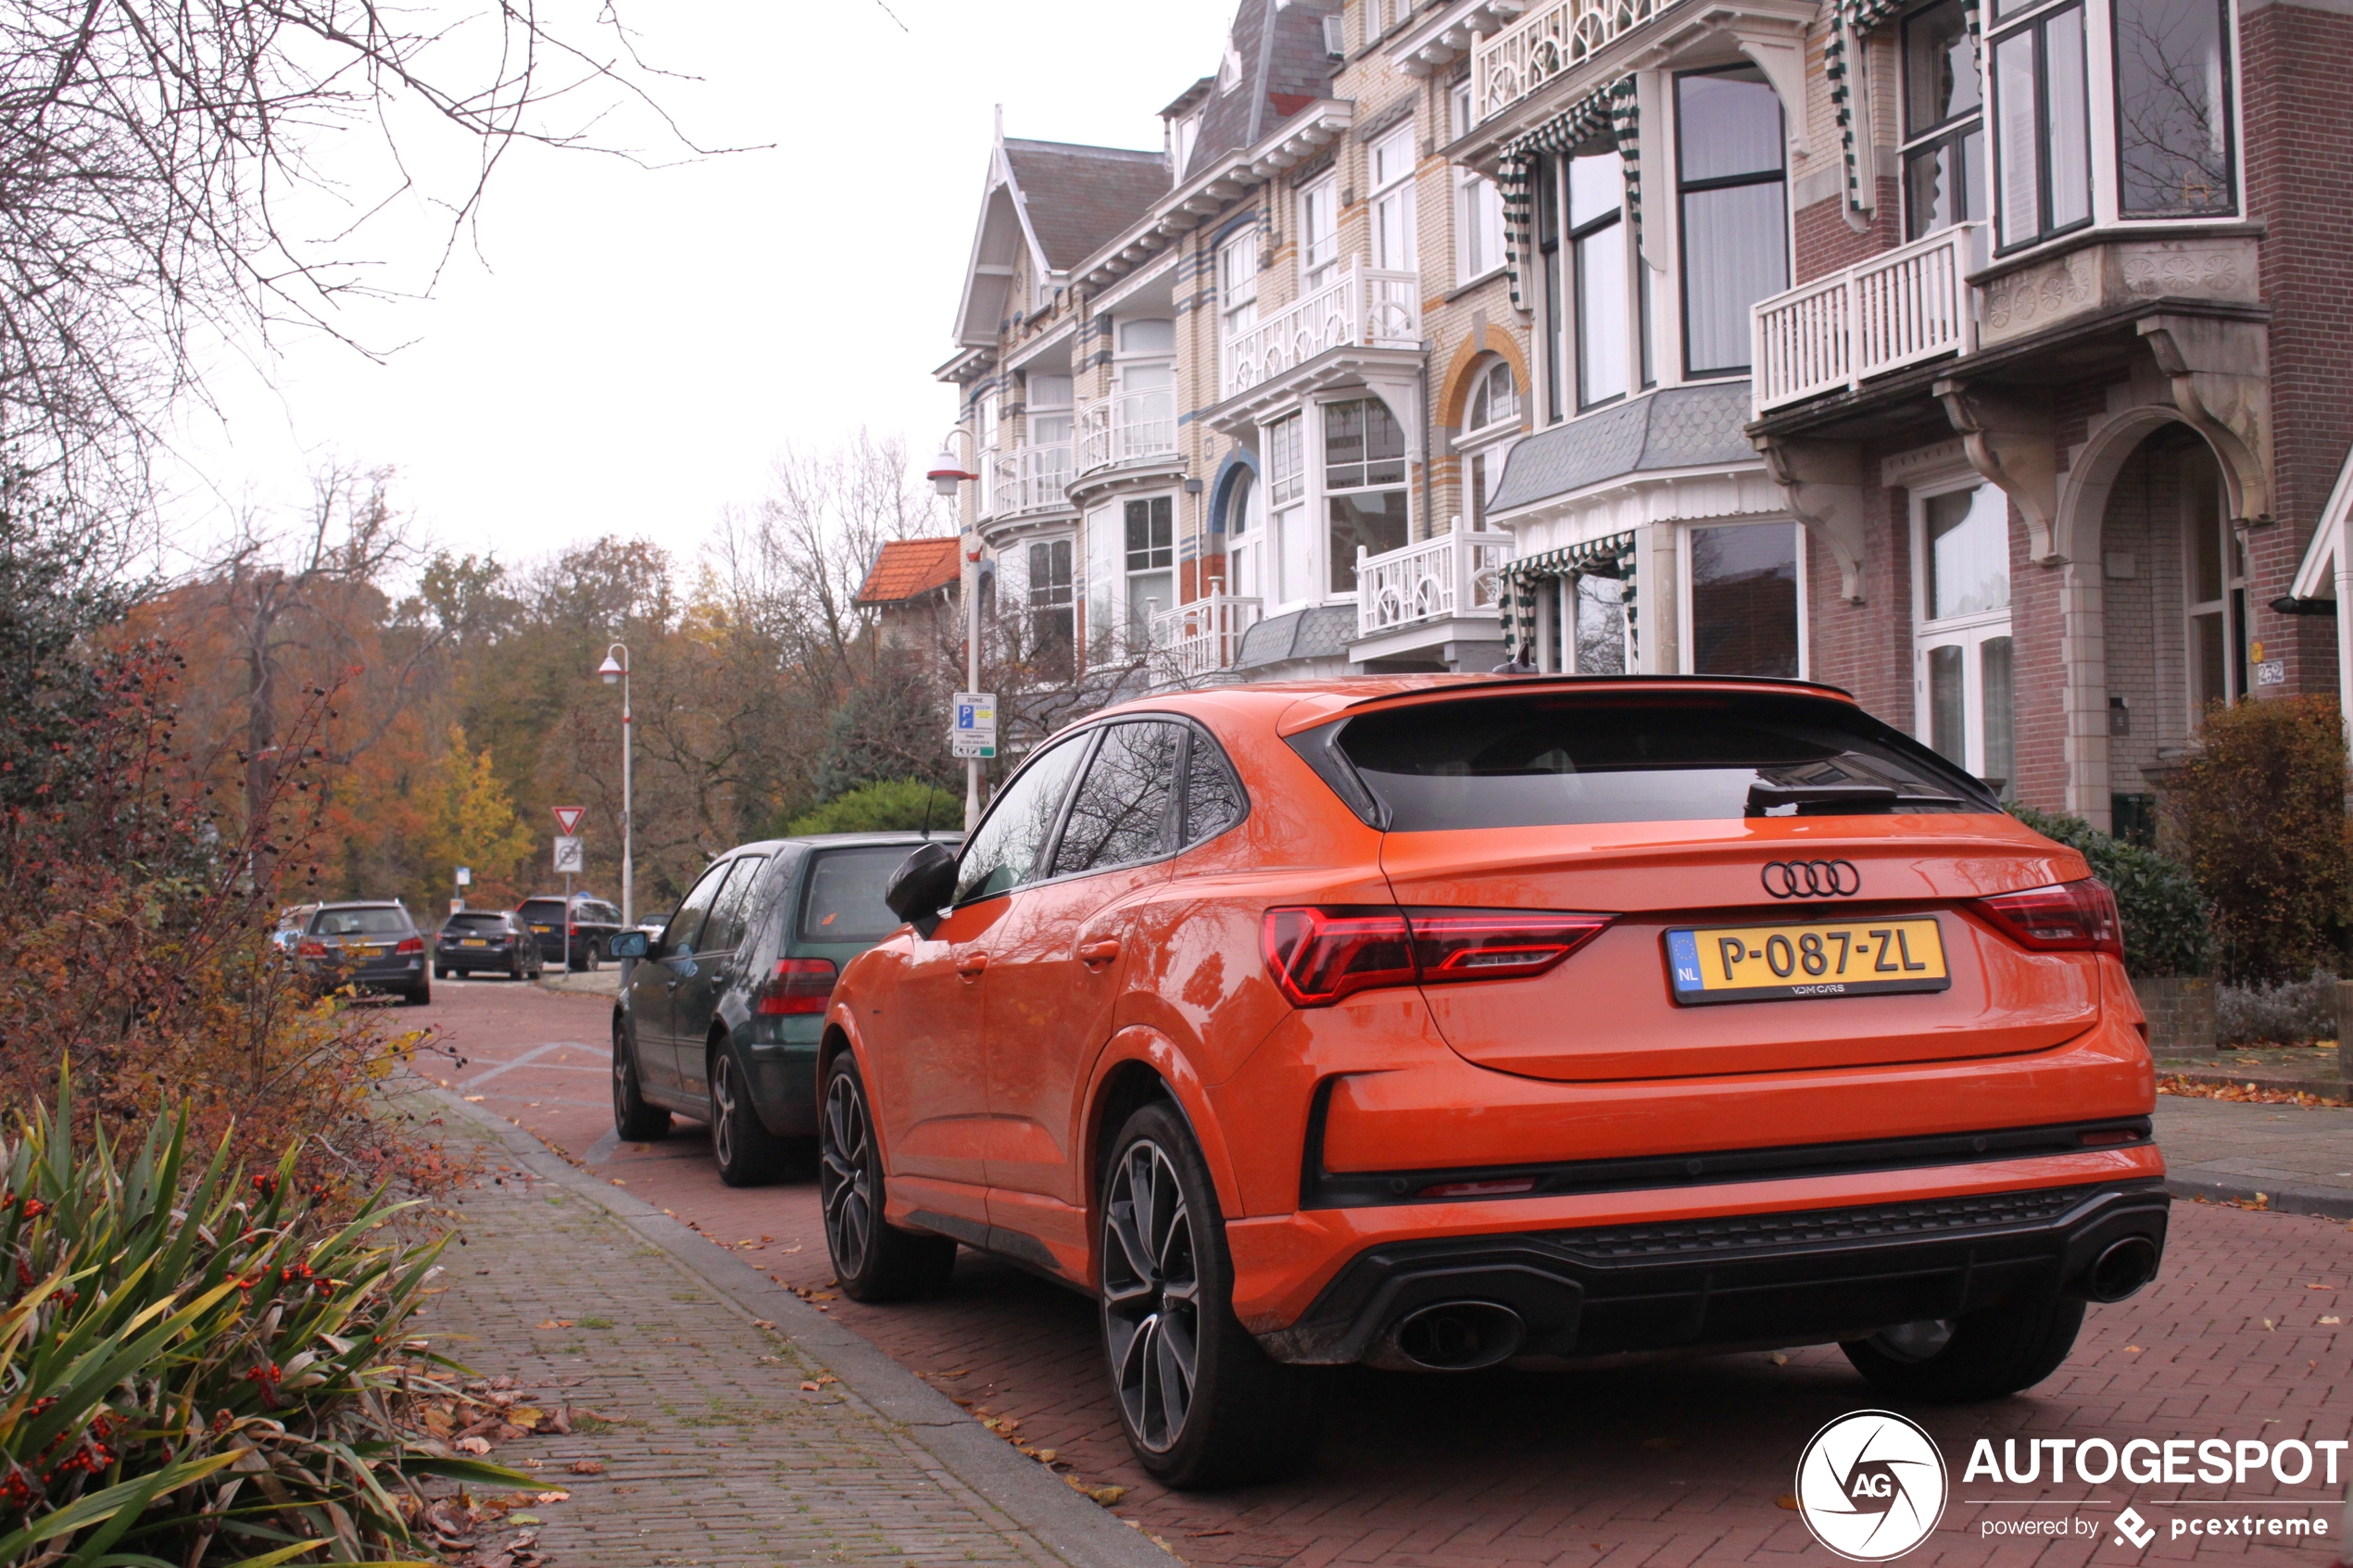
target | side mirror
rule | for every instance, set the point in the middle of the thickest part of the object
(921, 887)
(627, 944)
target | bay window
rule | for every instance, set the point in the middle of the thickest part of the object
(1151, 559)
(2173, 109)
(1284, 554)
(2043, 126)
(1597, 244)
(1944, 122)
(1363, 485)
(1237, 284)
(1050, 606)
(1731, 181)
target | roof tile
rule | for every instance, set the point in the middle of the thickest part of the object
(908, 568)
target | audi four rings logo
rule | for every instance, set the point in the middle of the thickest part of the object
(1811, 879)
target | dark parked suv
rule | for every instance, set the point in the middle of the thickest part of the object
(486, 939)
(373, 945)
(594, 926)
(720, 1019)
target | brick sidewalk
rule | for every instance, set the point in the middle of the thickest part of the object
(719, 1454)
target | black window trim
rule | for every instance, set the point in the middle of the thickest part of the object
(1195, 733)
(1950, 133)
(2230, 120)
(1684, 188)
(1572, 241)
(2035, 18)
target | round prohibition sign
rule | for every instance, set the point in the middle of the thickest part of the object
(1811, 879)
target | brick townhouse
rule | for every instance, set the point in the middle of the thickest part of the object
(1986, 357)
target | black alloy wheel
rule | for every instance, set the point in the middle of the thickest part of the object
(874, 1260)
(634, 1118)
(747, 1152)
(1202, 1403)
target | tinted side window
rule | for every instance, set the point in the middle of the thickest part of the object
(844, 898)
(1213, 796)
(541, 912)
(686, 924)
(1009, 845)
(725, 926)
(1120, 814)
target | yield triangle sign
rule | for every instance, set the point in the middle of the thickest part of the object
(567, 818)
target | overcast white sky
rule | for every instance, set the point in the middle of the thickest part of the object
(634, 345)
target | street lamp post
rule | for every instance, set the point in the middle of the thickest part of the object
(945, 476)
(616, 673)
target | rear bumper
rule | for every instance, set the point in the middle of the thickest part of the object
(1775, 1277)
(384, 974)
(784, 1085)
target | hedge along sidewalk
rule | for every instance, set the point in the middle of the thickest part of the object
(1068, 1526)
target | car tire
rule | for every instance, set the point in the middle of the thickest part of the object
(633, 1118)
(874, 1260)
(417, 996)
(1233, 1415)
(1987, 1354)
(748, 1154)
(441, 972)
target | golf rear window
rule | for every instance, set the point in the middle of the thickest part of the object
(844, 898)
(1560, 758)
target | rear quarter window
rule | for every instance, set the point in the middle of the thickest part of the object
(1565, 758)
(843, 897)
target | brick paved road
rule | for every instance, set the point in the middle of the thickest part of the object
(1668, 1465)
(722, 1456)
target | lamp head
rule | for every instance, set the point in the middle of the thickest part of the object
(612, 669)
(945, 473)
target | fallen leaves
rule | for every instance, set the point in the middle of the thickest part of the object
(554, 1322)
(587, 1467)
(2248, 1094)
(2333, 1322)
(1107, 1496)
(1786, 1500)
(474, 1532)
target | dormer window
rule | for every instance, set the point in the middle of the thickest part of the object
(1229, 69)
(1186, 135)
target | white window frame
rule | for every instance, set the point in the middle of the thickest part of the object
(1320, 493)
(1237, 283)
(1318, 247)
(1390, 170)
(1478, 206)
(2099, 50)
(1969, 632)
(2233, 607)
(1686, 652)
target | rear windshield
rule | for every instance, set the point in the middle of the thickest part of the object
(476, 922)
(844, 898)
(1540, 759)
(361, 922)
(541, 909)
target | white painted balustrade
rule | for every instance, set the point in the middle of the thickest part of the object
(1457, 573)
(1205, 636)
(1361, 308)
(1909, 305)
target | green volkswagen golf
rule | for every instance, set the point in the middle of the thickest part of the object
(719, 1018)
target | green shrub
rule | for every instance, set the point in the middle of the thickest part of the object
(2261, 811)
(892, 805)
(2165, 920)
(197, 1368)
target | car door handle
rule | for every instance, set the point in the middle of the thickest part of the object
(1103, 952)
(970, 967)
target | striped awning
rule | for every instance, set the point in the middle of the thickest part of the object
(1853, 18)
(1611, 556)
(1605, 111)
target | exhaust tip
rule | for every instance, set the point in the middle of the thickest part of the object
(1458, 1336)
(2122, 1268)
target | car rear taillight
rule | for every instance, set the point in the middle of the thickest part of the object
(1317, 955)
(411, 945)
(2070, 917)
(799, 985)
(313, 950)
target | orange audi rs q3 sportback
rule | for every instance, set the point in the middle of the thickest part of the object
(1437, 1022)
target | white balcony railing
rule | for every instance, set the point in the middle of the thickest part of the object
(1028, 479)
(1363, 308)
(1549, 41)
(1204, 635)
(1881, 315)
(1457, 573)
(1126, 428)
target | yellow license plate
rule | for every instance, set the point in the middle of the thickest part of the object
(1755, 963)
(370, 953)
(474, 942)
(543, 930)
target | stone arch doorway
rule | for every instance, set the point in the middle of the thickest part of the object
(2173, 572)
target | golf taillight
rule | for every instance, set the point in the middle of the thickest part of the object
(797, 985)
(411, 945)
(1317, 955)
(2069, 916)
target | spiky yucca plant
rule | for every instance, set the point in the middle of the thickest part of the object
(197, 1368)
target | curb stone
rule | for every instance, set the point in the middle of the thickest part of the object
(2280, 1198)
(1079, 1530)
